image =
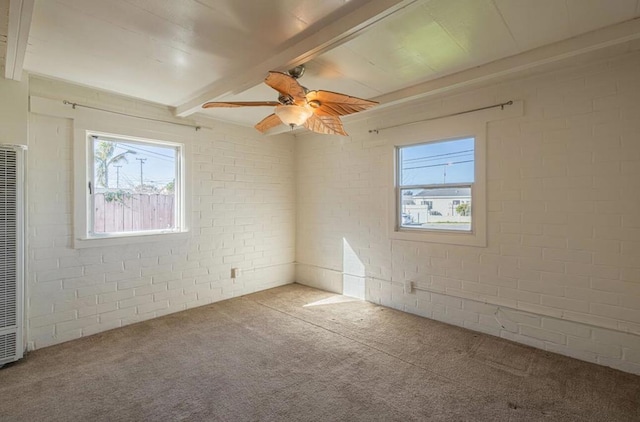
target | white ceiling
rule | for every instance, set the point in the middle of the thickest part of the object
(183, 53)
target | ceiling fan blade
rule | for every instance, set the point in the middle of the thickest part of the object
(327, 103)
(327, 125)
(215, 104)
(286, 85)
(268, 122)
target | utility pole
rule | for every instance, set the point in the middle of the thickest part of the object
(445, 173)
(142, 160)
(117, 176)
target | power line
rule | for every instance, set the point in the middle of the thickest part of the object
(130, 147)
(459, 154)
(438, 165)
(438, 155)
(451, 157)
(151, 152)
(120, 142)
(128, 180)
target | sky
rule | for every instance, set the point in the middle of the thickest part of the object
(158, 169)
(438, 162)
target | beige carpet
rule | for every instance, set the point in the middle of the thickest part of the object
(267, 356)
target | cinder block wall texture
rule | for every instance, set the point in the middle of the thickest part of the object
(561, 269)
(242, 215)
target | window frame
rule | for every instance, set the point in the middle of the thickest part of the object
(399, 188)
(441, 131)
(124, 128)
(179, 175)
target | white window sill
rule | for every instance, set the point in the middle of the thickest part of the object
(445, 237)
(127, 239)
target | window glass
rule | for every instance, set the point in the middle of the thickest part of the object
(437, 163)
(435, 185)
(135, 186)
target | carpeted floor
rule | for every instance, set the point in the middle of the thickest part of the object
(298, 354)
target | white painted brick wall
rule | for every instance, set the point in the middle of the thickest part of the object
(243, 214)
(14, 110)
(563, 215)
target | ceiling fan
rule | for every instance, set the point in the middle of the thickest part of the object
(318, 111)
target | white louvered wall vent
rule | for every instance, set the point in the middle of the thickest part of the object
(11, 254)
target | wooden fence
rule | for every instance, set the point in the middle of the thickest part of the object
(133, 212)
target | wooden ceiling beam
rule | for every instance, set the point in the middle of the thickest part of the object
(330, 36)
(20, 14)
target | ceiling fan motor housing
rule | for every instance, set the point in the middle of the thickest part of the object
(296, 72)
(285, 99)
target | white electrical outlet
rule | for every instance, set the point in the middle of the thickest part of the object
(408, 287)
(235, 272)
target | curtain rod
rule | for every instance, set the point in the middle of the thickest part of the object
(501, 105)
(75, 105)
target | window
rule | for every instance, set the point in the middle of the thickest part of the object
(465, 182)
(134, 186)
(173, 143)
(438, 172)
(435, 185)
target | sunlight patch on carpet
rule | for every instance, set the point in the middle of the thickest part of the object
(333, 300)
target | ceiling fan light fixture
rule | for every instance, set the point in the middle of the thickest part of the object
(293, 115)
